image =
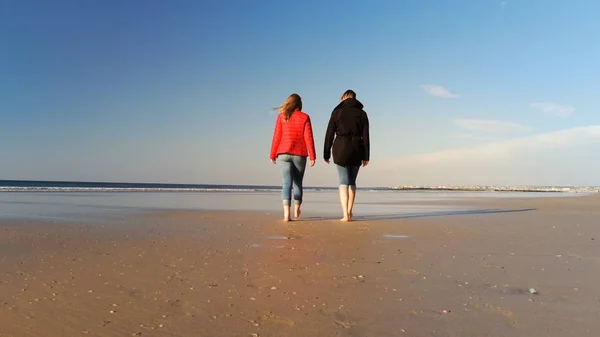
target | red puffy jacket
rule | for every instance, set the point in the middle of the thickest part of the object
(294, 136)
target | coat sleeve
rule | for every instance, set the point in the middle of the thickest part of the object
(366, 140)
(276, 138)
(309, 139)
(329, 136)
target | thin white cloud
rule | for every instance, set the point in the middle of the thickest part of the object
(503, 4)
(503, 149)
(564, 157)
(438, 91)
(554, 108)
(469, 136)
(491, 126)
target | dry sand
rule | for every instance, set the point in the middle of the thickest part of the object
(249, 274)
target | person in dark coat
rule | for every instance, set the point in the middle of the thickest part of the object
(348, 134)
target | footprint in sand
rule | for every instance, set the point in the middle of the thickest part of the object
(340, 318)
(271, 317)
(507, 314)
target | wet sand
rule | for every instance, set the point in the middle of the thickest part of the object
(463, 273)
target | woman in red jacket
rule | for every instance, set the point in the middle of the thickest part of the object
(292, 143)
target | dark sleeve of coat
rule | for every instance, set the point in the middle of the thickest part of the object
(366, 140)
(329, 136)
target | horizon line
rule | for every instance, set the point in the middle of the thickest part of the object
(393, 187)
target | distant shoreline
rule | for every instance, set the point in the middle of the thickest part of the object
(88, 186)
(554, 189)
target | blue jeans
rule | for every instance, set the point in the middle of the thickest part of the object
(348, 175)
(292, 170)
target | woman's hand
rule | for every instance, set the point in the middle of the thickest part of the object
(365, 163)
(312, 163)
(273, 161)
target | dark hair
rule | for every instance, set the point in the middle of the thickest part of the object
(348, 94)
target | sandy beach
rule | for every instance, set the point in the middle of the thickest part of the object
(507, 267)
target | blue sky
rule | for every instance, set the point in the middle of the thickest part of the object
(457, 92)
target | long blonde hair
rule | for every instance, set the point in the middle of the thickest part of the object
(291, 104)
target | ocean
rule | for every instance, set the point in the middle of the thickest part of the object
(82, 186)
(64, 200)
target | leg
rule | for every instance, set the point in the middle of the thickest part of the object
(286, 189)
(344, 202)
(352, 189)
(343, 173)
(351, 197)
(298, 167)
(297, 210)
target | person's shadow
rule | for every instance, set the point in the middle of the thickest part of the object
(411, 215)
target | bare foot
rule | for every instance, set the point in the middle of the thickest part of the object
(350, 216)
(345, 219)
(297, 213)
(287, 219)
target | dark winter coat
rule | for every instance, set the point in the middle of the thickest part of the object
(349, 125)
